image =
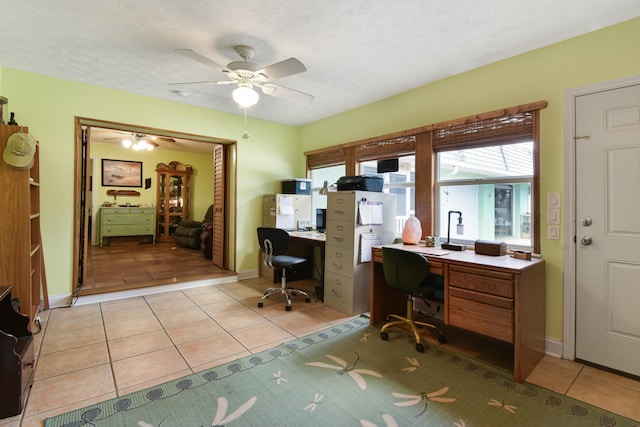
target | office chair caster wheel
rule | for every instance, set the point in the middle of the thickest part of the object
(260, 304)
(442, 339)
(384, 336)
(420, 348)
(288, 308)
(307, 299)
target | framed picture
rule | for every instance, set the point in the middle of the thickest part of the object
(121, 173)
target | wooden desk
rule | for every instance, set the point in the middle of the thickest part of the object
(499, 297)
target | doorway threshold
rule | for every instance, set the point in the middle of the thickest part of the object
(131, 293)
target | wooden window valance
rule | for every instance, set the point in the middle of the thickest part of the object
(331, 157)
(510, 126)
(386, 148)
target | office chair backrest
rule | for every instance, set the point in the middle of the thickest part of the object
(404, 270)
(273, 241)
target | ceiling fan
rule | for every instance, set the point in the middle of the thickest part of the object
(140, 141)
(246, 75)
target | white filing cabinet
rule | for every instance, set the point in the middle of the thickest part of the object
(347, 253)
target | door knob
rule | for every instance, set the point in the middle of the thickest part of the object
(586, 221)
(586, 240)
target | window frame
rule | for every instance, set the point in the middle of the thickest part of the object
(425, 142)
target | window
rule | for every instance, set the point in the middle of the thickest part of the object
(491, 186)
(318, 177)
(487, 170)
(401, 183)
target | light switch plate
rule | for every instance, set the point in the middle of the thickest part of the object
(553, 232)
(553, 200)
(553, 216)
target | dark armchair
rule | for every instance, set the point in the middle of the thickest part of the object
(189, 231)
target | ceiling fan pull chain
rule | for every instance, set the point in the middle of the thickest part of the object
(245, 134)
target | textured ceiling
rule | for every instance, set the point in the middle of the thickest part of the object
(355, 51)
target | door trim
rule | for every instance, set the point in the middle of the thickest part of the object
(569, 217)
(230, 191)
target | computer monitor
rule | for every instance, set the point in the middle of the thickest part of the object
(321, 220)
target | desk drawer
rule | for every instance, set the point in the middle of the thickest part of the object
(339, 260)
(487, 281)
(486, 319)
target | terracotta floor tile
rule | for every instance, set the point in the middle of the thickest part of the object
(222, 308)
(68, 319)
(147, 367)
(134, 326)
(261, 334)
(239, 319)
(134, 345)
(64, 390)
(553, 376)
(65, 361)
(184, 333)
(298, 323)
(63, 340)
(209, 349)
(209, 297)
(180, 317)
(612, 397)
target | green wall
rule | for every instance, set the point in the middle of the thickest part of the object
(48, 106)
(543, 74)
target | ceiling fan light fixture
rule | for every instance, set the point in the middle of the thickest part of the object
(245, 96)
(127, 143)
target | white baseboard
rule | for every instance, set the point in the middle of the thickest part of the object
(553, 347)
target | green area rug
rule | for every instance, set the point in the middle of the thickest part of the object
(345, 376)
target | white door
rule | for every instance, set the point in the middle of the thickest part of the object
(608, 228)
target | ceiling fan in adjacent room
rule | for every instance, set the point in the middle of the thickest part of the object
(140, 141)
(246, 75)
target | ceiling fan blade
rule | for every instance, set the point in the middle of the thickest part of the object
(286, 93)
(201, 59)
(285, 68)
(210, 82)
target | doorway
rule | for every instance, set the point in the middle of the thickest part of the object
(222, 194)
(601, 255)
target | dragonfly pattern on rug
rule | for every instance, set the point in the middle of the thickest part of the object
(342, 369)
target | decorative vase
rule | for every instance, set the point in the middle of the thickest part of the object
(412, 231)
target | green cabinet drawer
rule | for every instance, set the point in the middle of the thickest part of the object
(133, 218)
(128, 230)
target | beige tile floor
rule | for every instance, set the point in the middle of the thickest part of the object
(90, 353)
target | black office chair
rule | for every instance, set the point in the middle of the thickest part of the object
(274, 243)
(408, 272)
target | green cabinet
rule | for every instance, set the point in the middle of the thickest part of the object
(127, 221)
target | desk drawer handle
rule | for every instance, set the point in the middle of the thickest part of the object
(30, 364)
(336, 293)
(338, 212)
(337, 266)
(338, 239)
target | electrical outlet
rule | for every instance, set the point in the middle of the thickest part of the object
(553, 232)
